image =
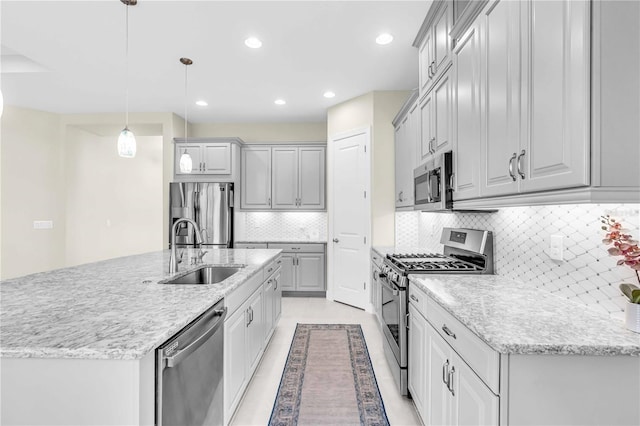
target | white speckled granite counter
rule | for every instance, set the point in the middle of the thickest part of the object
(517, 319)
(284, 241)
(114, 309)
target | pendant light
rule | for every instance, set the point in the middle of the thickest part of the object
(127, 140)
(186, 163)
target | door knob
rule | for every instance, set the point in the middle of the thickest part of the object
(335, 240)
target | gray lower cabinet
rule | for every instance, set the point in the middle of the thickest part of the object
(303, 267)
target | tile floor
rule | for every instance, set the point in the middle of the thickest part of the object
(256, 407)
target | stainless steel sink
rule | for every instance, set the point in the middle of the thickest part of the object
(205, 275)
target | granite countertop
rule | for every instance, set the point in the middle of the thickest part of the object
(113, 309)
(514, 318)
(284, 240)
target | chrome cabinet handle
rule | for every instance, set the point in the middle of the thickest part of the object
(450, 380)
(400, 196)
(269, 200)
(335, 240)
(275, 285)
(451, 186)
(247, 318)
(407, 321)
(414, 298)
(511, 173)
(445, 373)
(519, 162)
(448, 332)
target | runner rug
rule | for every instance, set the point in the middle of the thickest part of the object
(328, 379)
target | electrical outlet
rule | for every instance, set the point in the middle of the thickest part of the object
(556, 247)
(42, 224)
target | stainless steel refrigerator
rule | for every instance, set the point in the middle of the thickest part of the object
(210, 205)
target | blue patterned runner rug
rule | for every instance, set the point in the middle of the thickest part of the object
(328, 380)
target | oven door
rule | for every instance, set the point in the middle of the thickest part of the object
(394, 319)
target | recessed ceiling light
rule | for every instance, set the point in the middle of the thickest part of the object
(253, 43)
(384, 38)
(329, 94)
(279, 102)
(202, 103)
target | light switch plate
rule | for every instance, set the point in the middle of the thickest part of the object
(556, 247)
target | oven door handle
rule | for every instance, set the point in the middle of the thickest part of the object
(385, 282)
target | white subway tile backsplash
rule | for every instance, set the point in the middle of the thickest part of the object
(521, 244)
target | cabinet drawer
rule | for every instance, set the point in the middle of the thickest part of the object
(250, 245)
(298, 248)
(237, 297)
(418, 299)
(272, 267)
(480, 356)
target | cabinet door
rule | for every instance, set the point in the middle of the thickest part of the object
(467, 116)
(216, 158)
(418, 360)
(255, 331)
(310, 272)
(441, 39)
(268, 303)
(557, 102)
(234, 365)
(472, 402)
(196, 159)
(277, 298)
(424, 146)
(399, 144)
(437, 395)
(425, 59)
(284, 175)
(287, 274)
(442, 114)
(501, 106)
(256, 178)
(311, 177)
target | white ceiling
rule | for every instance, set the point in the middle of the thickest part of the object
(69, 56)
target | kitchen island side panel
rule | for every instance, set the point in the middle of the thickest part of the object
(56, 391)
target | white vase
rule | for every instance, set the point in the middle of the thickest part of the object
(632, 316)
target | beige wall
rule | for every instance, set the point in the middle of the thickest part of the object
(114, 205)
(32, 189)
(385, 107)
(353, 114)
(65, 168)
(263, 132)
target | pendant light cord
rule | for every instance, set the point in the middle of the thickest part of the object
(186, 117)
(126, 71)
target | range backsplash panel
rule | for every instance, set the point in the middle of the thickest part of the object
(521, 245)
(280, 226)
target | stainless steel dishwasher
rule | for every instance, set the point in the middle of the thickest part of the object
(189, 386)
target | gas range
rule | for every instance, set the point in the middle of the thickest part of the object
(466, 251)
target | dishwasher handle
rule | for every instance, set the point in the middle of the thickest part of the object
(174, 360)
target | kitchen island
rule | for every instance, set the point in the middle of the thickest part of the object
(77, 344)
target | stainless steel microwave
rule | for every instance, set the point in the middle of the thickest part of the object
(432, 184)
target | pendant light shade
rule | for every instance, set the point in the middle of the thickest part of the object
(186, 163)
(127, 140)
(126, 144)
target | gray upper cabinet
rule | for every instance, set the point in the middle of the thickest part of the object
(406, 126)
(434, 44)
(216, 158)
(296, 177)
(256, 178)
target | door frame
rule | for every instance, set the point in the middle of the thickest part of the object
(330, 210)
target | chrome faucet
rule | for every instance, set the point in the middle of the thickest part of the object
(173, 261)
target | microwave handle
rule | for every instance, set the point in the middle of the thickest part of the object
(429, 197)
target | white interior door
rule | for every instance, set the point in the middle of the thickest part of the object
(350, 213)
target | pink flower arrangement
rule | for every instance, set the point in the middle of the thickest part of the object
(623, 244)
